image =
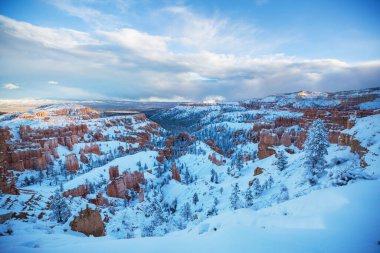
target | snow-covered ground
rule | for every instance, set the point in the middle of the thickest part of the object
(338, 219)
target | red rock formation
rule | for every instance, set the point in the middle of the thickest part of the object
(258, 171)
(214, 146)
(99, 200)
(215, 160)
(89, 222)
(71, 163)
(8, 183)
(285, 139)
(286, 122)
(92, 148)
(355, 146)
(334, 137)
(175, 173)
(83, 158)
(268, 139)
(120, 184)
(113, 172)
(80, 191)
(300, 139)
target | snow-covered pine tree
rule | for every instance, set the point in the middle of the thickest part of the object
(282, 160)
(235, 198)
(60, 210)
(283, 195)
(147, 229)
(40, 176)
(315, 150)
(248, 197)
(187, 177)
(214, 210)
(195, 199)
(186, 212)
(257, 189)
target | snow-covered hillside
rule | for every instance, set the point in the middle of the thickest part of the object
(289, 173)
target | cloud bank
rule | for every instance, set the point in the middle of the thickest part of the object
(196, 58)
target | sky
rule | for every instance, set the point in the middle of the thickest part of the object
(152, 50)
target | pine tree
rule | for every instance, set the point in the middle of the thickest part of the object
(186, 212)
(40, 176)
(60, 210)
(257, 189)
(195, 199)
(214, 177)
(235, 198)
(282, 161)
(147, 229)
(315, 150)
(214, 210)
(248, 197)
(187, 177)
(283, 195)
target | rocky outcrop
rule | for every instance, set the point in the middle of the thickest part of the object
(119, 186)
(268, 139)
(89, 222)
(355, 146)
(285, 140)
(175, 173)
(113, 172)
(80, 191)
(92, 148)
(8, 183)
(71, 163)
(214, 146)
(258, 171)
(215, 160)
(99, 200)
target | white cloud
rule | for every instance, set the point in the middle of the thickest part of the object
(89, 15)
(53, 82)
(213, 99)
(48, 37)
(192, 60)
(161, 99)
(11, 86)
(144, 44)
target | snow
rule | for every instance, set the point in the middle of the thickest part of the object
(125, 163)
(323, 221)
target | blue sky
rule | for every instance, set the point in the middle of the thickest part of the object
(185, 50)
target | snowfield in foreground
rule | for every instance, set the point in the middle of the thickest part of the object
(340, 219)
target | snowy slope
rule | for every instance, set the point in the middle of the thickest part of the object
(323, 221)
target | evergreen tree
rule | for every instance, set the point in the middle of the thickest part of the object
(282, 161)
(257, 189)
(40, 176)
(195, 199)
(60, 210)
(186, 212)
(187, 177)
(214, 177)
(147, 229)
(315, 150)
(248, 197)
(214, 210)
(235, 198)
(173, 206)
(283, 195)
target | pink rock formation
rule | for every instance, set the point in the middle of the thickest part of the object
(89, 222)
(120, 184)
(71, 163)
(175, 173)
